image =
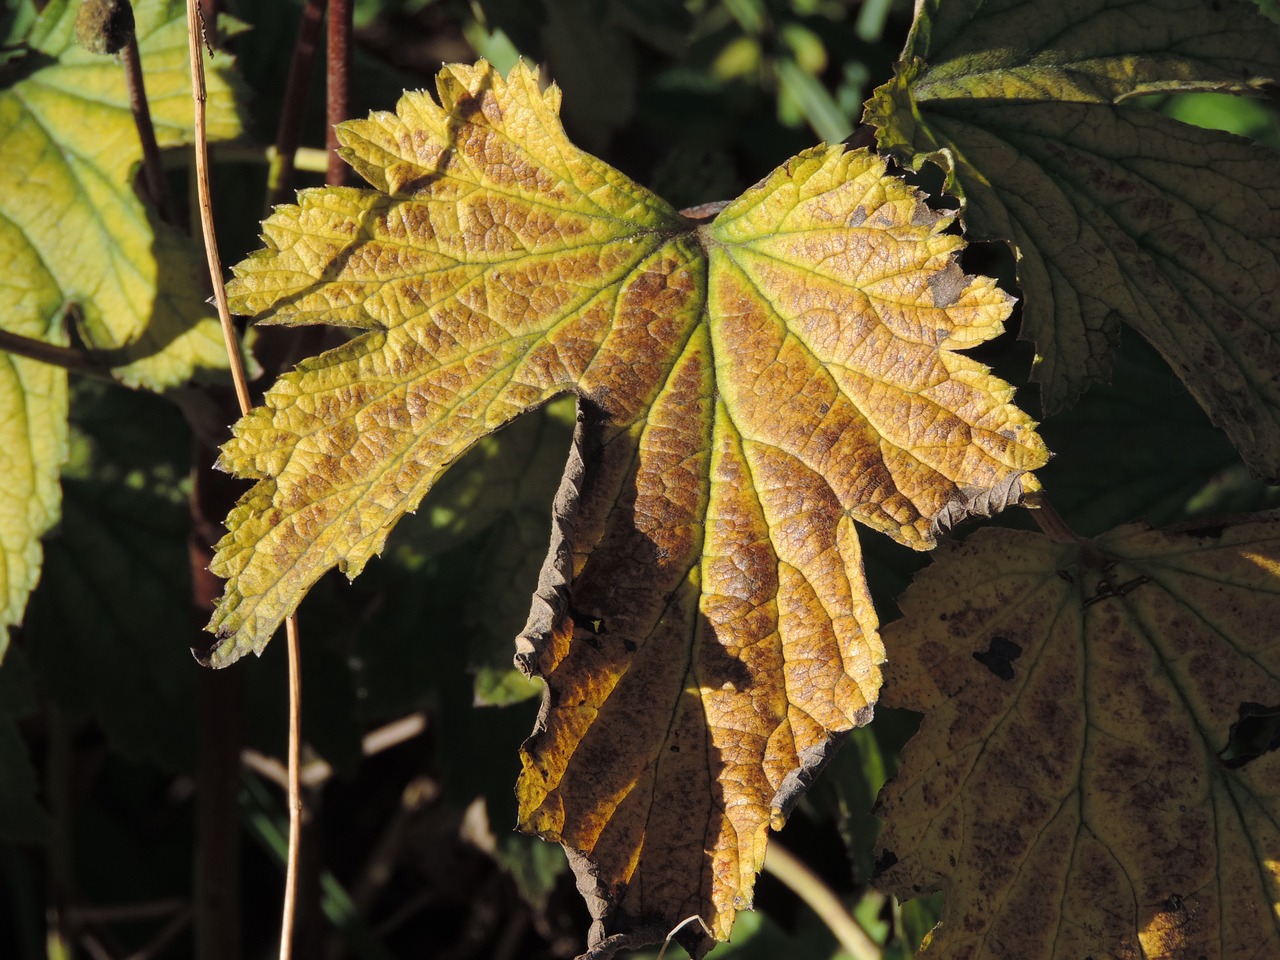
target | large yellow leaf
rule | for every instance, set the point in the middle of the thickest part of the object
(747, 389)
(1083, 783)
(74, 235)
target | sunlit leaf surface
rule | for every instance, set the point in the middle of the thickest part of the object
(1095, 774)
(748, 389)
(74, 236)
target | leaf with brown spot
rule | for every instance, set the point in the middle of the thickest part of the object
(747, 388)
(1118, 214)
(1095, 774)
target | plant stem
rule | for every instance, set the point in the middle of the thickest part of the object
(69, 358)
(289, 134)
(1048, 520)
(338, 84)
(230, 339)
(295, 789)
(242, 396)
(217, 867)
(151, 166)
(808, 886)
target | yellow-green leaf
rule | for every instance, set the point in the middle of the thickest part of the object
(74, 236)
(1117, 214)
(1083, 783)
(1099, 51)
(748, 389)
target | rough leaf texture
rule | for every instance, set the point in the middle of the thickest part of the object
(1082, 783)
(1118, 214)
(73, 234)
(747, 390)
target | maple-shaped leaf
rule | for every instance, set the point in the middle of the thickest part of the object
(1117, 214)
(74, 234)
(1095, 774)
(748, 388)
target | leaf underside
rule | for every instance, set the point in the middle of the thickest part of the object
(1082, 784)
(747, 389)
(1118, 214)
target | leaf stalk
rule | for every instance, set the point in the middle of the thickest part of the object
(284, 160)
(152, 169)
(338, 84)
(810, 888)
(69, 358)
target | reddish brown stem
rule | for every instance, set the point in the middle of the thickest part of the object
(338, 84)
(1047, 519)
(217, 864)
(289, 134)
(221, 710)
(151, 168)
(68, 358)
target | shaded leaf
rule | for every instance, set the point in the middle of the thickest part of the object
(74, 235)
(121, 652)
(1068, 789)
(748, 388)
(1117, 213)
(497, 499)
(1139, 448)
(1096, 51)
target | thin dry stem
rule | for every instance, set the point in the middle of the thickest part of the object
(200, 96)
(232, 342)
(295, 789)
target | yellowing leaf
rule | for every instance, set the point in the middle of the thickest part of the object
(747, 389)
(1083, 782)
(74, 234)
(133, 281)
(1117, 213)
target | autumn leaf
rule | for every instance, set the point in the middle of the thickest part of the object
(1118, 214)
(748, 388)
(1095, 773)
(75, 237)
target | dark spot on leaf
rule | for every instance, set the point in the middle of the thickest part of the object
(1066, 575)
(1212, 531)
(675, 748)
(999, 657)
(628, 645)
(1174, 903)
(885, 862)
(1255, 733)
